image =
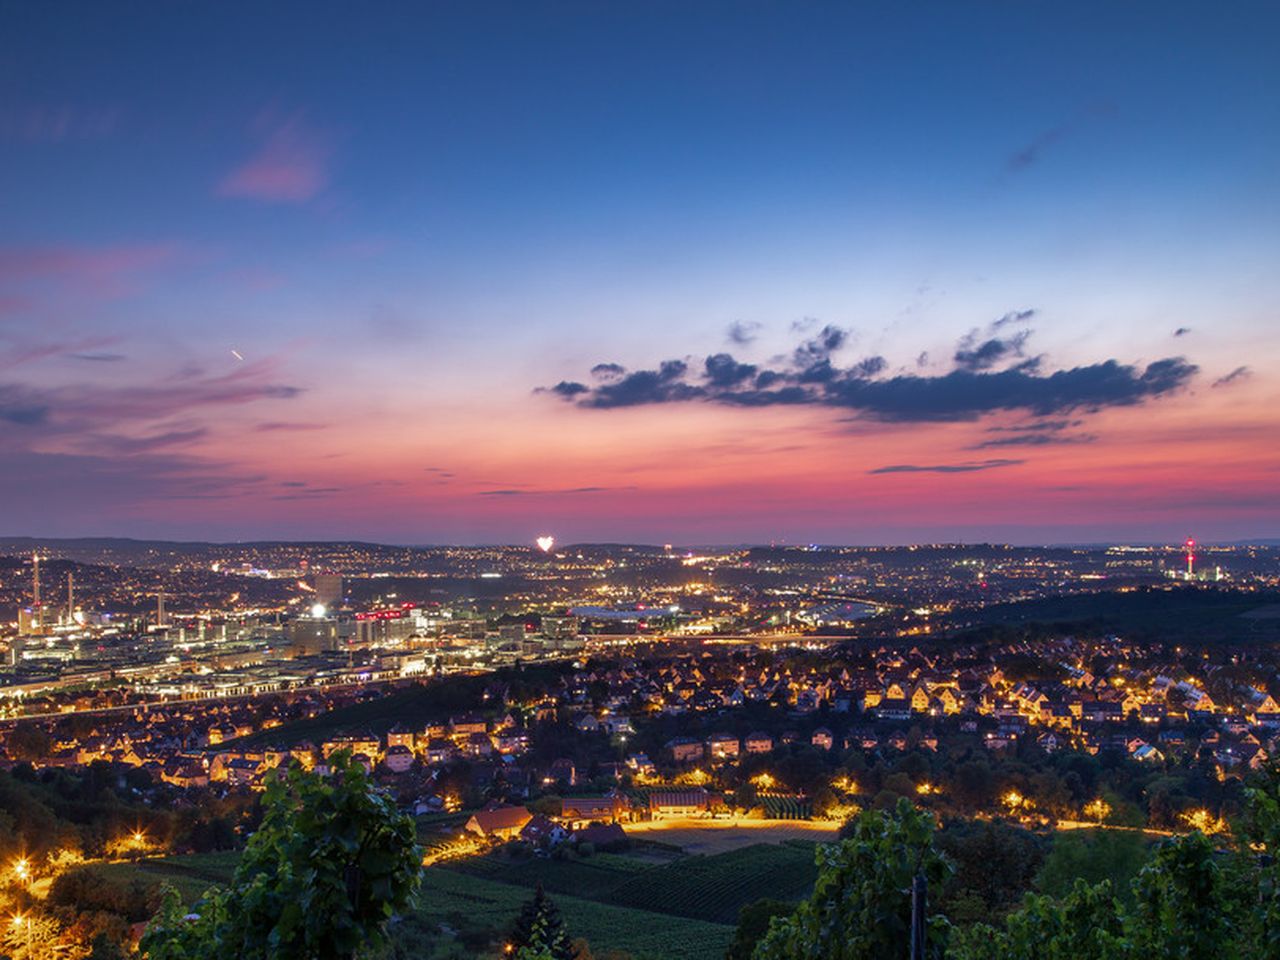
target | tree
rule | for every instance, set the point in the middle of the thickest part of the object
(31, 936)
(1093, 856)
(1084, 925)
(1184, 909)
(332, 862)
(994, 867)
(753, 924)
(1260, 828)
(861, 908)
(538, 933)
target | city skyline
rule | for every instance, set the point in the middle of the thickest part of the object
(724, 275)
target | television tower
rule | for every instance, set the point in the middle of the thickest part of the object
(35, 589)
(1191, 558)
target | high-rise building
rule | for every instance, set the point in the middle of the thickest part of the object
(313, 634)
(328, 587)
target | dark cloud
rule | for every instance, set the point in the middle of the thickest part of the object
(56, 484)
(1031, 152)
(19, 406)
(869, 367)
(130, 446)
(1013, 316)
(724, 371)
(98, 357)
(1036, 440)
(1182, 331)
(272, 426)
(1036, 426)
(743, 332)
(975, 387)
(608, 371)
(971, 466)
(820, 348)
(664, 385)
(570, 388)
(973, 353)
(527, 492)
(1239, 373)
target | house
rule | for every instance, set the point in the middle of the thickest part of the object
(497, 822)
(667, 804)
(440, 750)
(722, 746)
(893, 708)
(400, 736)
(822, 739)
(579, 811)
(758, 742)
(464, 726)
(398, 759)
(603, 836)
(685, 749)
(541, 831)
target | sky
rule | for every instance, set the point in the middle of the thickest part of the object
(656, 272)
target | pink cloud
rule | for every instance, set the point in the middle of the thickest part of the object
(45, 123)
(103, 271)
(291, 166)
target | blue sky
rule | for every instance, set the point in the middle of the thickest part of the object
(409, 217)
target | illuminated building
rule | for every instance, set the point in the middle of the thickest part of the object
(316, 633)
(328, 587)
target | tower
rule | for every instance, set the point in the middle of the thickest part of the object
(71, 598)
(160, 621)
(1191, 558)
(36, 618)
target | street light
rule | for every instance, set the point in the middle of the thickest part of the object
(18, 921)
(22, 868)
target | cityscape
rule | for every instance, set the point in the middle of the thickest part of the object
(580, 481)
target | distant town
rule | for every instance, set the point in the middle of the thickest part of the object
(593, 697)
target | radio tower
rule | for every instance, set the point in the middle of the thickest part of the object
(35, 590)
(1191, 558)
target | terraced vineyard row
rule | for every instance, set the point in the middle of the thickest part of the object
(715, 887)
(594, 879)
(449, 894)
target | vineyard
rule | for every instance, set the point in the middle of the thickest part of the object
(593, 879)
(715, 887)
(455, 898)
(191, 875)
(785, 806)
